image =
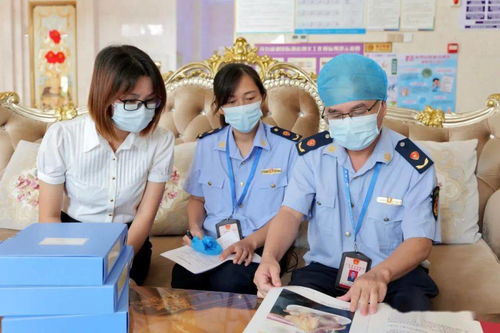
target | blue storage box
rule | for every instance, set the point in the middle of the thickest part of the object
(59, 254)
(108, 322)
(69, 300)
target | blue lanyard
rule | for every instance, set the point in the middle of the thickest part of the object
(356, 227)
(231, 174)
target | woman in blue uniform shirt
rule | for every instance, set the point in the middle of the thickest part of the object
(237, 181)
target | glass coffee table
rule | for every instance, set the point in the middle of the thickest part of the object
(175, 310)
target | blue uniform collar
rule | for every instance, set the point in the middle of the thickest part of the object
(260, 140)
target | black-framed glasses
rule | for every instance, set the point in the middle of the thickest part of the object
(358, 111)
(135, 104)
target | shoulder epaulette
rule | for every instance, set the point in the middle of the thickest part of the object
(313, 142)
(202, 135)
(286, 134)
(414, 155)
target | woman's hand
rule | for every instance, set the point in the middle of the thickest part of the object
(243, 251)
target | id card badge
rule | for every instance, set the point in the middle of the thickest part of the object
(352, 266)
(229, 225)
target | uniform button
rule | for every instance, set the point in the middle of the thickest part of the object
(110, 215)
(352, 205)
(318, 203)
(209, 183)
(242, 183)
(347, 234)
(114, 158)
(273, 185)
(241, 206)
(111, 200)
(114, 178)
(386, 219)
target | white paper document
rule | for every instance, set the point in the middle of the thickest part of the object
(382, 15)
(418, 14)
(197, 262)
(264, 17)
(302, 310)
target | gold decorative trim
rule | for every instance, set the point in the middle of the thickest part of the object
(493, 101)
(10, 101)
(9, 97)
(431, 117)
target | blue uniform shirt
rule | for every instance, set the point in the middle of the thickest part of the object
(209, 178)
(400, 208)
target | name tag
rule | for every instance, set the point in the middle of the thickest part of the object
(270, 171)
(390, 201)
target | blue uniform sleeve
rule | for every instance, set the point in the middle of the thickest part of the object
(192, 184)
(300, 192)
(418, 218)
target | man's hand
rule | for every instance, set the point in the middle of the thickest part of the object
(243, 252)
(267, 276)
(367, 291)
(195, 232)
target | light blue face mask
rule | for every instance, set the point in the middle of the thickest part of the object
(354, 133)
(243, 118)
(131, 121)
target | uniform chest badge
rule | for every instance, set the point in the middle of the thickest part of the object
(271, 171)
(390, 201)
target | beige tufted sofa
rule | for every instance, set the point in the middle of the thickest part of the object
(468, 275)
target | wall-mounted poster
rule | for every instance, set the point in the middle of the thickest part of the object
(309, 56)
(484, 14)
(427, 80)
(329, 17)
(258, 16)
(53, 55)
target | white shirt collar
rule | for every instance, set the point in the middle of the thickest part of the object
(92, 139)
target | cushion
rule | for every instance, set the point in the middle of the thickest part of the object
(468, 277)
(455, 163)
(19, 188)
(171, 218)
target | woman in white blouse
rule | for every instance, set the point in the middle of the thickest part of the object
(112, 164)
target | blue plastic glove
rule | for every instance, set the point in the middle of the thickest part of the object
(208, 245)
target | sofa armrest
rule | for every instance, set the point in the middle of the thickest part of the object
(491, 223)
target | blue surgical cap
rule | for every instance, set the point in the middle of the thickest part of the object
(351, 77)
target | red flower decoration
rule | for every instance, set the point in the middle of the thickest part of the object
(55, 36)
(50, 57)
(60, 57)
(55, 58)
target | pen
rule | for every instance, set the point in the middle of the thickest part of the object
(188, 233)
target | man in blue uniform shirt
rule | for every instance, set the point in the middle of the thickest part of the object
(370, 197)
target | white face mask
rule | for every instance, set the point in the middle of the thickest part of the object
(243, 118)
(131, 121)
(354, 133)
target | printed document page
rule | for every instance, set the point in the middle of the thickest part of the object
(197, 262)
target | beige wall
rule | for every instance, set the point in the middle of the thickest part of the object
(478, 58)
(99, 23)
